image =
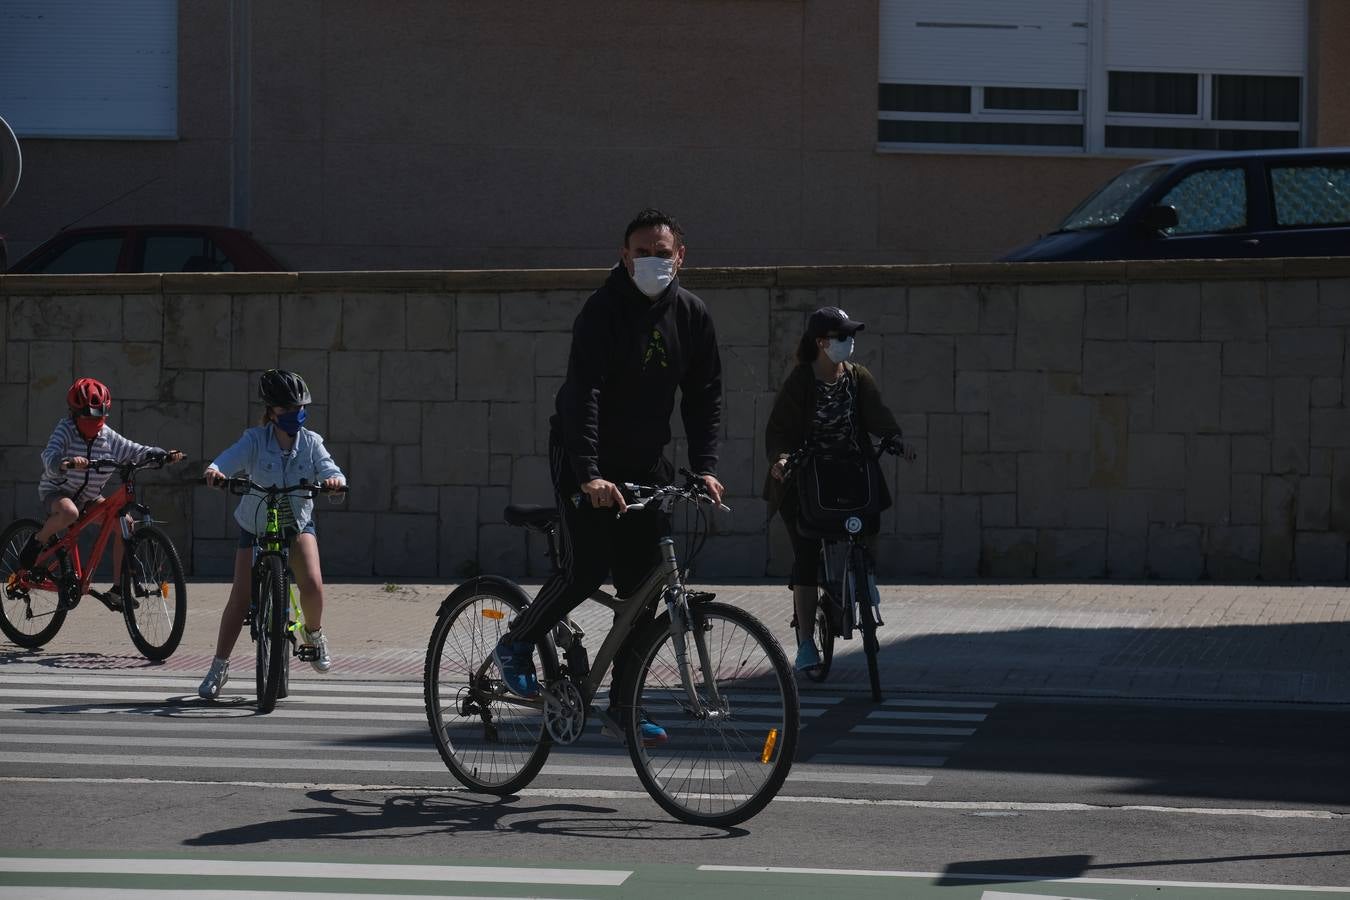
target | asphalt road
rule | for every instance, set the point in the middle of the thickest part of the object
(118, 781)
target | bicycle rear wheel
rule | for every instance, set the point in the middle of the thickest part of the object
(490, 741)
(29, 617)
(724, 767)
(154, 595)
(272, 646)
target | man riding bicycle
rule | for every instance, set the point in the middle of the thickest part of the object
(636, 340)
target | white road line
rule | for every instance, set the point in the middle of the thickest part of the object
(102, 893)
(932, 716)
(326, 870)
(197, 711)
(316, 683)
(746, 709)
(911, 729)
(941, 704)
(278, 745)
(875, 759)
(609, 794)
(97, 697)
(894, 746)
(620, 768)
(153, 726)
(298, 685)
(790, 870)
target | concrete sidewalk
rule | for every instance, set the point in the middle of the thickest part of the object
(1138, 640)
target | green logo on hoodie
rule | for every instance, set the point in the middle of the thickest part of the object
(656, 350)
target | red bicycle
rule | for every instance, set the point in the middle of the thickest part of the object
(37, 600)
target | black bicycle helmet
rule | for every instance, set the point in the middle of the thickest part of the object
(277, 387)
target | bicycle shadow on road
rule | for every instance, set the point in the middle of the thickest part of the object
(342, 815)
(78, 661)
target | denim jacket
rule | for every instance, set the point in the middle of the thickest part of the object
(258, 455)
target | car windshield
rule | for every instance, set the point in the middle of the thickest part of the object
(1107, 205)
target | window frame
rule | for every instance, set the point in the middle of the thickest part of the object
(1095, 118)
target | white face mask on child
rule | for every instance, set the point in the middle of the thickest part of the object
(839, 349)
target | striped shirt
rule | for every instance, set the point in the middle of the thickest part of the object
(84, 485)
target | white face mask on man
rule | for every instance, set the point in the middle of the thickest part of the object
(653, 274)
(839, 349)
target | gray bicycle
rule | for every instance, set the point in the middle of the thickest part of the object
(712, 674)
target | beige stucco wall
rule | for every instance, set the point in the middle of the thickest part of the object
(1175, 420)
(518, 134)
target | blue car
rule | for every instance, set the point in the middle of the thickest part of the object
(1259, 203)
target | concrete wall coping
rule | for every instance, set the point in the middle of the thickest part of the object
(496, 280)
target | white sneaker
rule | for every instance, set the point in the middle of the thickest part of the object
(215, 679)
(322, 662)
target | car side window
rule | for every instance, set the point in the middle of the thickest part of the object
(183, 253)
(1311, 195)
(1209, 200)
(82, 256)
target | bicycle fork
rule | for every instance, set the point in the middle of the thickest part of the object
(682, 625)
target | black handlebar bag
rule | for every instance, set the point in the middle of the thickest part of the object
(835, 486)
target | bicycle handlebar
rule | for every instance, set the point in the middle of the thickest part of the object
(150, 461)
(890, 444)
(242, 484)
(694, 490)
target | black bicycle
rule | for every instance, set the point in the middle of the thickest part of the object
(712, 673)
(849, 598)
(274, 614)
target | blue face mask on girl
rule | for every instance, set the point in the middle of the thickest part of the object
(290, 422)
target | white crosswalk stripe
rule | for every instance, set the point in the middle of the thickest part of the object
(145, 726)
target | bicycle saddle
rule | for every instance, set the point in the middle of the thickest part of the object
(531, 516)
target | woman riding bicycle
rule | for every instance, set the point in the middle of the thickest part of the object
(826, 403)
(279, 451)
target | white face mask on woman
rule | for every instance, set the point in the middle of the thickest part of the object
(839, 349)
(653, 274)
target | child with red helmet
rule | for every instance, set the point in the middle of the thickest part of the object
(81, 435)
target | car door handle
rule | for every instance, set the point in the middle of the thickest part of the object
(1251, 242)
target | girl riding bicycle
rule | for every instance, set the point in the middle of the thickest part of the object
(83, 434)
(826, 403)
(278, 451)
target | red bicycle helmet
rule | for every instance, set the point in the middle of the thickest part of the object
(89, 397)
(89, 400)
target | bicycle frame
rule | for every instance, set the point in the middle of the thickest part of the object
(272, 543)
(663, 582)
(104, 513)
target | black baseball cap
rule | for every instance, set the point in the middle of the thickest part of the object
(829, 320)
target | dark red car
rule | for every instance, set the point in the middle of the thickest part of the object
(148, 248)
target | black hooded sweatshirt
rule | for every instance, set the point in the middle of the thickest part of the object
(629, 354)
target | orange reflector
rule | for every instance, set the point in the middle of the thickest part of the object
(769, 743)
(12, 580)
(493, 614)
(164, 589)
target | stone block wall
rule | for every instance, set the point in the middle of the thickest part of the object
(1175, 420)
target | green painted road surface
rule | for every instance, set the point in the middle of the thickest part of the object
(72, 876)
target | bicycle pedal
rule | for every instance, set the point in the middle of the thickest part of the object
(307, 652)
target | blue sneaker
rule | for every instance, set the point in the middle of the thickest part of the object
(653, 735)
(808, 657)
(515, 661)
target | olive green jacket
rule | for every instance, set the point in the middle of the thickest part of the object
(790, 422)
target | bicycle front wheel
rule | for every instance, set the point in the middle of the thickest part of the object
(491, 741)
(154, 594)
(867, 622)
(270, 626)
(28, 616)
(721, 765)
